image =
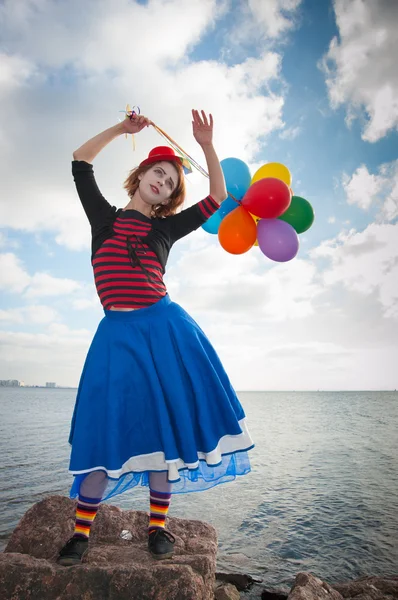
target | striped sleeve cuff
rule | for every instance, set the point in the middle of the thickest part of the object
(208, 206)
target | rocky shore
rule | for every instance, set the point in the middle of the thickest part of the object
(118, 566)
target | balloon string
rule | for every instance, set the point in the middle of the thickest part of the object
(193, 162)
(130, 114)
(181, 150)
(233, 198)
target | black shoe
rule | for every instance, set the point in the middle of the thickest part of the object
(161, 544)
(73, 552)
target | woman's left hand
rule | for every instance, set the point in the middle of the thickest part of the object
(202, 128)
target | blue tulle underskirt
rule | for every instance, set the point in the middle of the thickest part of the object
(191, 480)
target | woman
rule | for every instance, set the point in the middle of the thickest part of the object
(154, 406)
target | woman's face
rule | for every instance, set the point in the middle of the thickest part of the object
(158, 183)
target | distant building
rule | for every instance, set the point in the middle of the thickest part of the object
(50, 384)
(9, 383)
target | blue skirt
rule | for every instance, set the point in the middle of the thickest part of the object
(154, 396)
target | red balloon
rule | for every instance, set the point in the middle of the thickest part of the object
(267, 198)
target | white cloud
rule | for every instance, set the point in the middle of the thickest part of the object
(13, 277)
(36, 314)
(390, 205)
(56, 210)
(85, 303)
(275, 16)
(285, 326)
(362, 188)
(360, 65)
(42, 285)
(258, 24)
(7, 242)
(366, 263)
(332, 220)
(57, 355)
(365, 189)
(67, 333)
(161, 18)
(248, 284)
(14, 71)
(11, 315)
(290, 133)
(330, 322)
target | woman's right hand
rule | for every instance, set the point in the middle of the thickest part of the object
(135, 124)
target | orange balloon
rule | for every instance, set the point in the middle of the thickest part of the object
(237, 232)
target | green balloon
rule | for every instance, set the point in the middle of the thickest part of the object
(300, 214)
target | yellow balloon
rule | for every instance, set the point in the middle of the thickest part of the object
(276, 170)
(256, 220)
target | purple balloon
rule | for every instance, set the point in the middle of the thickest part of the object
(277, 239)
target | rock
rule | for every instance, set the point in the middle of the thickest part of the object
(273, 595)
(308, 587)
(370, 588)
(117, 565)
(226, 591)
(241, 582)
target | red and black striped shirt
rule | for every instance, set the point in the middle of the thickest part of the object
(129, 249)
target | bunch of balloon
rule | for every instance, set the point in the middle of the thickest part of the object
(269, 197)
(268, 215)
(282, 214)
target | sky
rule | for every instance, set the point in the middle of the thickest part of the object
(310, 84)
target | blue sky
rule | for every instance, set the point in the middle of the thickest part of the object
(310, 84)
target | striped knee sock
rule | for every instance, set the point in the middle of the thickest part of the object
(86, 511)
(159, 506)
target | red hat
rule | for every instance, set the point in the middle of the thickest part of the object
(161, 153)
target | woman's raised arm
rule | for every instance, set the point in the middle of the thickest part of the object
(203, 133)
(89, 150)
